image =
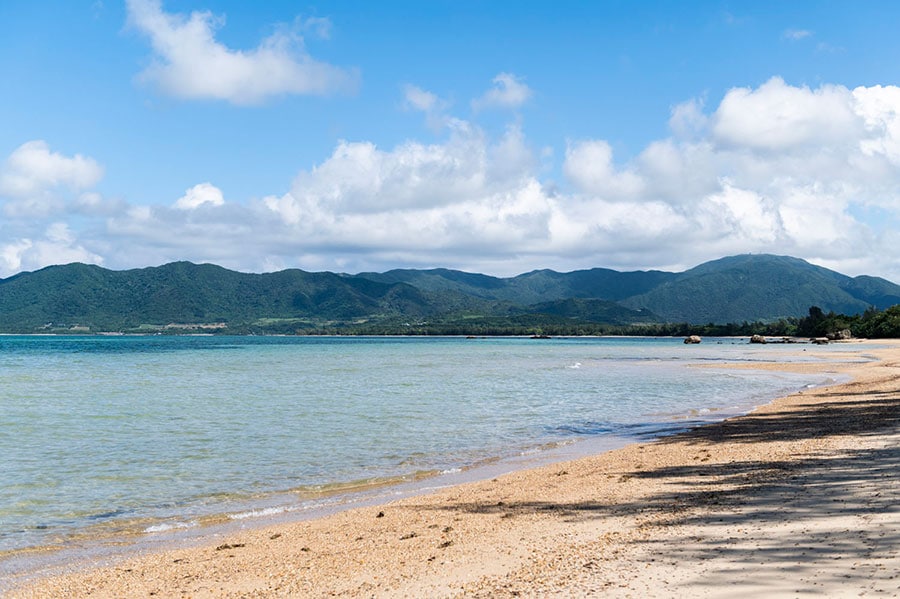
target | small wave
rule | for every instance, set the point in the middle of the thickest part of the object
(827, 382)
(167, 526)
(269, 511)
(701, 411)
(574, 366)
(584, 428)
(538, 449)
(451, 471)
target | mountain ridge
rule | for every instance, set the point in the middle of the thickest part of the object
(182, 295)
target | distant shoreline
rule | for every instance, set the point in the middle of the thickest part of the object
(771, 339)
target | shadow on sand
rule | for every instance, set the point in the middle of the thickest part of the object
(771, 517)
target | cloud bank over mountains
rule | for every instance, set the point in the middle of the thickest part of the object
(779, 168)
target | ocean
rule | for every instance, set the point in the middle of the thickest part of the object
(142, 435)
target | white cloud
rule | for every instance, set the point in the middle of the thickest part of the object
(687, 120)
(33, 178)
(429, 103)
(198, 195)
(419, 99)
(826, 189)
(91, 203)
(359, 177)
(511, 159)
(57, 246)
(32, 169)
(590, 166)
(778, 168)
(677, 172)
(777, 116)
(508, 92)
(467, 195)
(879, 109)
(796, 34)
(742, 213)
(190, 63)
(11, 256)
(320, 26)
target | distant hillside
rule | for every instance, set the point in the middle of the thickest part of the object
(533, 287)
(592, 311)
(733, 289)
(761, 287)
(184, 293)
(183, 296)
(442, 279)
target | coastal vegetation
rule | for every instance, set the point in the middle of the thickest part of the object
(739, 295)
(872, 324)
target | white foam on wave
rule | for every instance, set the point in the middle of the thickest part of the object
(269, 511)
(574, 366)
(167, 526)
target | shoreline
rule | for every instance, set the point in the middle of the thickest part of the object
(558, 445)
(20, 567)
(490, 537)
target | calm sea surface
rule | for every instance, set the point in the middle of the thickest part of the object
(153, 433)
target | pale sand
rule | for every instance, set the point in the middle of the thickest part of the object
(799, 498)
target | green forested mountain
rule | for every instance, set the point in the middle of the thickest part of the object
(761, 287)
(185, 293)
(182, 296)
(591, 311)
(533, 287)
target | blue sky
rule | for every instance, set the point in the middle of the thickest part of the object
(495, 137)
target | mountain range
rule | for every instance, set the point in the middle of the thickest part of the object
(182, 296)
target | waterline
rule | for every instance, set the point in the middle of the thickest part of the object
(148, 435)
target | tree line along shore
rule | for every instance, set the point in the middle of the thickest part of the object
(871, 324)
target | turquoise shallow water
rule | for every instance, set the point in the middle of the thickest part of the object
(146, 433)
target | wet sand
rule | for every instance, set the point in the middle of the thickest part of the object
(799, 498)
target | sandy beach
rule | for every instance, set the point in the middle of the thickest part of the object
(799, 498)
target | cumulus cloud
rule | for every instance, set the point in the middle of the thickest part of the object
(717, 186)
(58, 245)
(508, 92)
(359, 177)
(199, 195)
(777, 116)
(40, 189)
(414, 203)
(32, 168)
(727, 180)
(589, 164)
(33, 177)
(411, 183)
(879, 109)
(777, 168)
(190, 63)
(687, 119)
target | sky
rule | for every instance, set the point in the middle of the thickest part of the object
(495, 137)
